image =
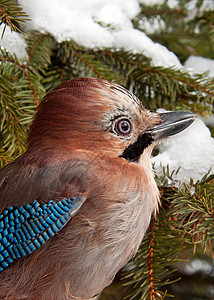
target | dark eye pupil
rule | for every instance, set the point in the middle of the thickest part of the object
(124, 126)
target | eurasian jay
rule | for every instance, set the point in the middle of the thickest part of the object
(75, 207)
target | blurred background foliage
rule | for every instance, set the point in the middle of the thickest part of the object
(176, 256)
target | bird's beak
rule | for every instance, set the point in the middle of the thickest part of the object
(172, 123)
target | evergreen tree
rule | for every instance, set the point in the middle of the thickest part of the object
(184, 228)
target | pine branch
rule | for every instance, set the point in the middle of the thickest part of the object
(53, 77)
(149, 273)
(186, 216)
(155, 86)
(11, 14)
(20, 91)
(185, 36)
(31, 87)
(9, 63)
(37, 61)
(185, 219)
(4, 158)
(85, 62)
(193, 210)
(13, 133)
(39, 50)
(172, 89)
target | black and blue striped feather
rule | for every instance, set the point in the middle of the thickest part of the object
(23, 229)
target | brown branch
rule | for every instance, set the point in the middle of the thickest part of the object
(41, 37)
(193, 85)
(12, 116)
(10, 112)
(8, 22)
(86, 63)
(211, 249)
(147, 69)
(62, 73)
(5, 159)
(22, 67)
(31, 87)
(5, 15)
(151, 12)
(150, 260)
(26, 73)
(16, 135)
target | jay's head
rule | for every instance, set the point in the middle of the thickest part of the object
(100, 116)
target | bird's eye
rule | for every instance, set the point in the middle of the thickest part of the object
(123, 126)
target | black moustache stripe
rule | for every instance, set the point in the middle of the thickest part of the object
(133, 152)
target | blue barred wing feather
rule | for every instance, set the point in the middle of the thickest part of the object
(23, 229)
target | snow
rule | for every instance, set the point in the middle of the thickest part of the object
(199, 265)
(97, 24)
(13, 42)
(101, 24)
(152, 2)
(200, 64)
(192, 149)
(192, 6)
(170, 3)
(152, 26)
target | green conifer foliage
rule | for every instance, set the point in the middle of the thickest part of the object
(184, 228)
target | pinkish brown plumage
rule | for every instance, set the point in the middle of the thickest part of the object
(91, 139)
